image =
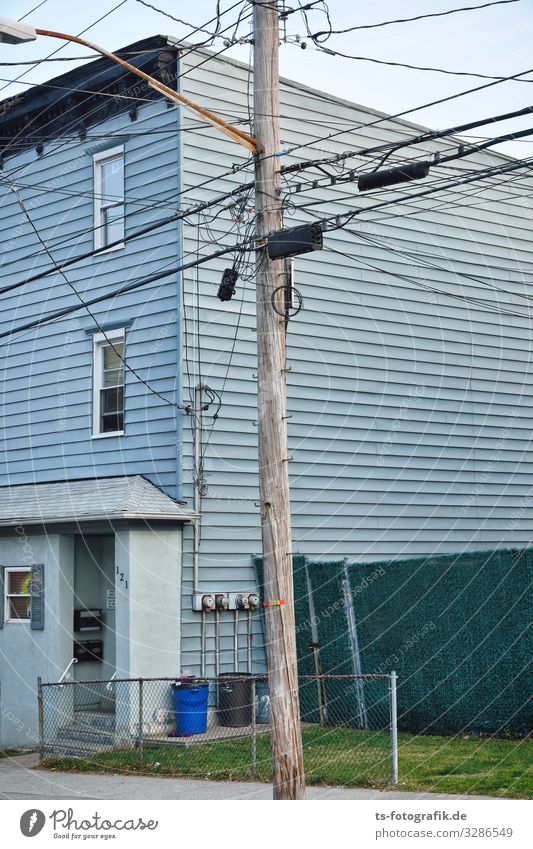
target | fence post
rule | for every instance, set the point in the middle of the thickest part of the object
(41, 717)
(393, 729)
(254, 731)
(141, 736)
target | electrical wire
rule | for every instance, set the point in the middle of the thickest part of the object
(429, 135)
(337, 220)
(62, 46)
(421, 258)
(403, 113)
(85, 306)
(127, 287)
(425, 68)
(128, 237)
(38, 6)
(135, 84)
(415, 18)
(481, 304)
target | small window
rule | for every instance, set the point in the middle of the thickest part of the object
(18, 594)
(108, 389)
(109, 197)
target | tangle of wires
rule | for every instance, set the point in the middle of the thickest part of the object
(318, 38)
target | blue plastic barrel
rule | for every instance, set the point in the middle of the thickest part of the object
(190, 704)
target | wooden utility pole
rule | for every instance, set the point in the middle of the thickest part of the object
(280, 634)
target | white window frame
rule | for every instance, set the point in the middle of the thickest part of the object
(100, 340)
(98, 160)
(8, 595)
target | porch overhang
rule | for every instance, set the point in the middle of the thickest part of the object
(127, 498)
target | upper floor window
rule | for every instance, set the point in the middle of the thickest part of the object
(109, 197)
(17, 580)
(108, 386)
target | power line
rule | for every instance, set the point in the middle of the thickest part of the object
(336, 220)
(135, 84)
(202, 28)
(425, 68)
(129, 236)
(38, 6)
(127, 287)
(404, 112)
(62, 46)
(481, 304)
(415, 18)
(438, 160)
(122, 359)
(421, 258)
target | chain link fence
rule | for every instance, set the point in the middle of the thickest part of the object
(220, 728)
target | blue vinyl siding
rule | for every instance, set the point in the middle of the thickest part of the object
(46, 374)
(376, 469)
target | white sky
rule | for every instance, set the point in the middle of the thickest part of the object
(495, 41)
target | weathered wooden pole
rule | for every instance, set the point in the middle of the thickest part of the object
(287, 759)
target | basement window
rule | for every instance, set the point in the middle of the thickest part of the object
(109, 209)
(17, 582)
(108, 383)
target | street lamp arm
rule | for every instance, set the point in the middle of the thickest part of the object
(217, 122)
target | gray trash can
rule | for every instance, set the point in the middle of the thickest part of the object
(262, 701)
(235, 699)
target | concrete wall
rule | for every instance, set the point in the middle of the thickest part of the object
(25, 654)
(94, 574)
(148, 587)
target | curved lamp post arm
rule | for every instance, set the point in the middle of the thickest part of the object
(13, 32)
(217, 122)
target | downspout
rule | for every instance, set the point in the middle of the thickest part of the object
(197, 412)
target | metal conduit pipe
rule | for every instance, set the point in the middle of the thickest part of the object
(217, 643)
(236, 641)
(250, 638)
(202, 646)
(197, 412)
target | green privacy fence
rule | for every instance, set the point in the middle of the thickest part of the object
(454, 627)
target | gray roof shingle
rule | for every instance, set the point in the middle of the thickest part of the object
(128, 497)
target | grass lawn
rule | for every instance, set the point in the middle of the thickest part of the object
(480, 766)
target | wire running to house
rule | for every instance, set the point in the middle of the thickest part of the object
(414, 18)
(85, 306)
(142, 231)
(129, 287)
(62, 46)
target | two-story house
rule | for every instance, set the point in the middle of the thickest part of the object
(126, 384)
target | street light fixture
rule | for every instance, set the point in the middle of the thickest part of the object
(13, 32)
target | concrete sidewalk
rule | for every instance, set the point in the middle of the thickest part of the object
(18, 780)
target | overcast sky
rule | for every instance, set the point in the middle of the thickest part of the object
(495, 41)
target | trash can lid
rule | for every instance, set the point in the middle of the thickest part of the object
(189, 683)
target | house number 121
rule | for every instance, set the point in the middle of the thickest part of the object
(122, 579)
